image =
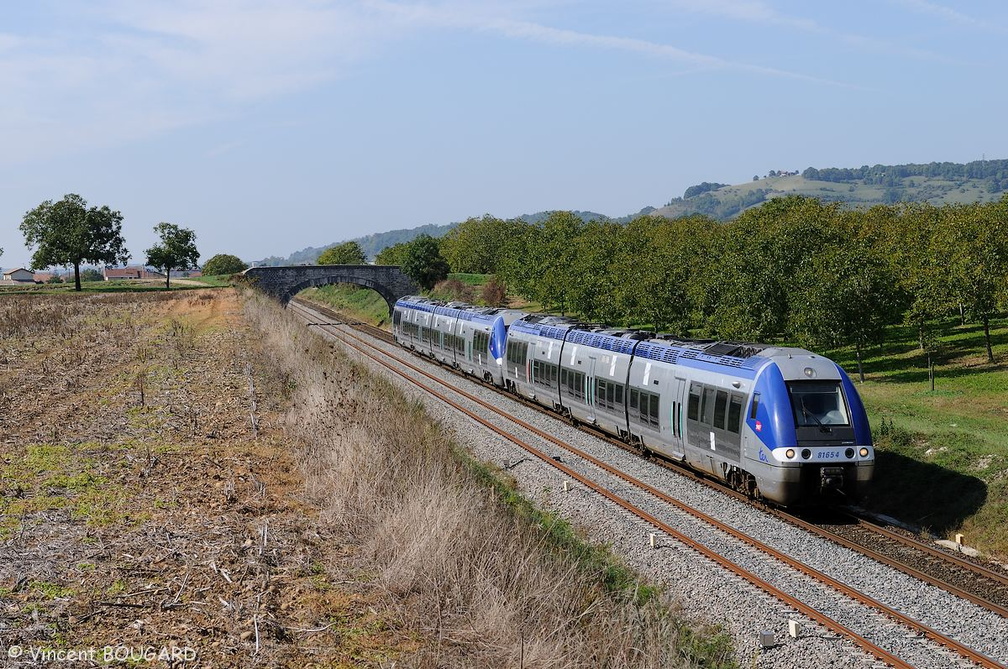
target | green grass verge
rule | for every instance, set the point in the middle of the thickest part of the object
(362, 303)
(943, 453)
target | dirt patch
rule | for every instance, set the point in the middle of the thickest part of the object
(151, 509)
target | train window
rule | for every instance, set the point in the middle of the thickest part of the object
(481, 342)
(601, 387)
(720, 407)
(575, 384)
(735, 413)
(653, 410)
(544, 374)
(634, 400)
(818, 403)
(755, 405)
(693, 409)
(608, 395)
(396, 318)
(707, 406)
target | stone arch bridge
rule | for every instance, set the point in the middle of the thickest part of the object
(283, 283)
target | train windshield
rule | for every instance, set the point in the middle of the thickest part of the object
(818, 403)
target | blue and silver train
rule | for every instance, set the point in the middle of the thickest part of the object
(780, 424)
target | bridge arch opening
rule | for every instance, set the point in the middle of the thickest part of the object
(319, 282)
(283, 283)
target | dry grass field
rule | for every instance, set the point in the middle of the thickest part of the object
(196, 474)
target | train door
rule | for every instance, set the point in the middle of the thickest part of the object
(590, 388)
(676, 414)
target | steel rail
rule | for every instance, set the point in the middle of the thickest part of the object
(905, 567)
(957, 560)
(882, 654)
(897, 564)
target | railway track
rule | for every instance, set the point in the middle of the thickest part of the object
(915, 627)
(984, 586)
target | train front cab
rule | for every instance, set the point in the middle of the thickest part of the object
(806, 437)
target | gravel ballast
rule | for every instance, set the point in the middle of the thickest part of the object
(703, 589)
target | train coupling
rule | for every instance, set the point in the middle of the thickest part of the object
(831, 479)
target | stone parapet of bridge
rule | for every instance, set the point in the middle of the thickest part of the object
(283, 283)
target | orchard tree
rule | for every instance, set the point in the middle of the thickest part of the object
(393, 255)
(475, 245)
(845, 295)
(974, 239)
(68, 233)
(177, 250)
(423, 262)
(224, 263)
(347, 253)
(593, 294)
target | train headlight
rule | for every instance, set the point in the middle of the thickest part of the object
(806, 453)
(849, 453)
(789, 453)
(863, 452)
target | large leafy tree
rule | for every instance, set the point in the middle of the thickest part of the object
(475, 245)
(424, 263)
(177, 250)
(347, 253)
(593, 295)
(844, 295)
(658, 262)
(393, 255)
(224, 263)
(69, 233)
(974, 240)
(758, 254)
(909, 235)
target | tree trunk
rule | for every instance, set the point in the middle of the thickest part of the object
(167, 278)
(986, 323)
(77, 276)
(860, 368)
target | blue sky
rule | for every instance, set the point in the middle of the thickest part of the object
(270, 125)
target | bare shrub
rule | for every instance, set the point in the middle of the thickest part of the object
(453, 290)
(493, 293)
(476, 583)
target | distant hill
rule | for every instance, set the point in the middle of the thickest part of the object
(937, 183)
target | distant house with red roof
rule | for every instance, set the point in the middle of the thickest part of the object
(120, 273)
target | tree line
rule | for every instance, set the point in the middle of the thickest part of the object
(892, 174)
(69, 233)
(794, 269)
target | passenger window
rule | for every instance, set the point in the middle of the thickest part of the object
(693, 409)
(707, 408)
(720, 405)
(734, 413)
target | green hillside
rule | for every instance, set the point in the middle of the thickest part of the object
(936, 183)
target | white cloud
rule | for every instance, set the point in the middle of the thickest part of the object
(132, 69)
(112, 71)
